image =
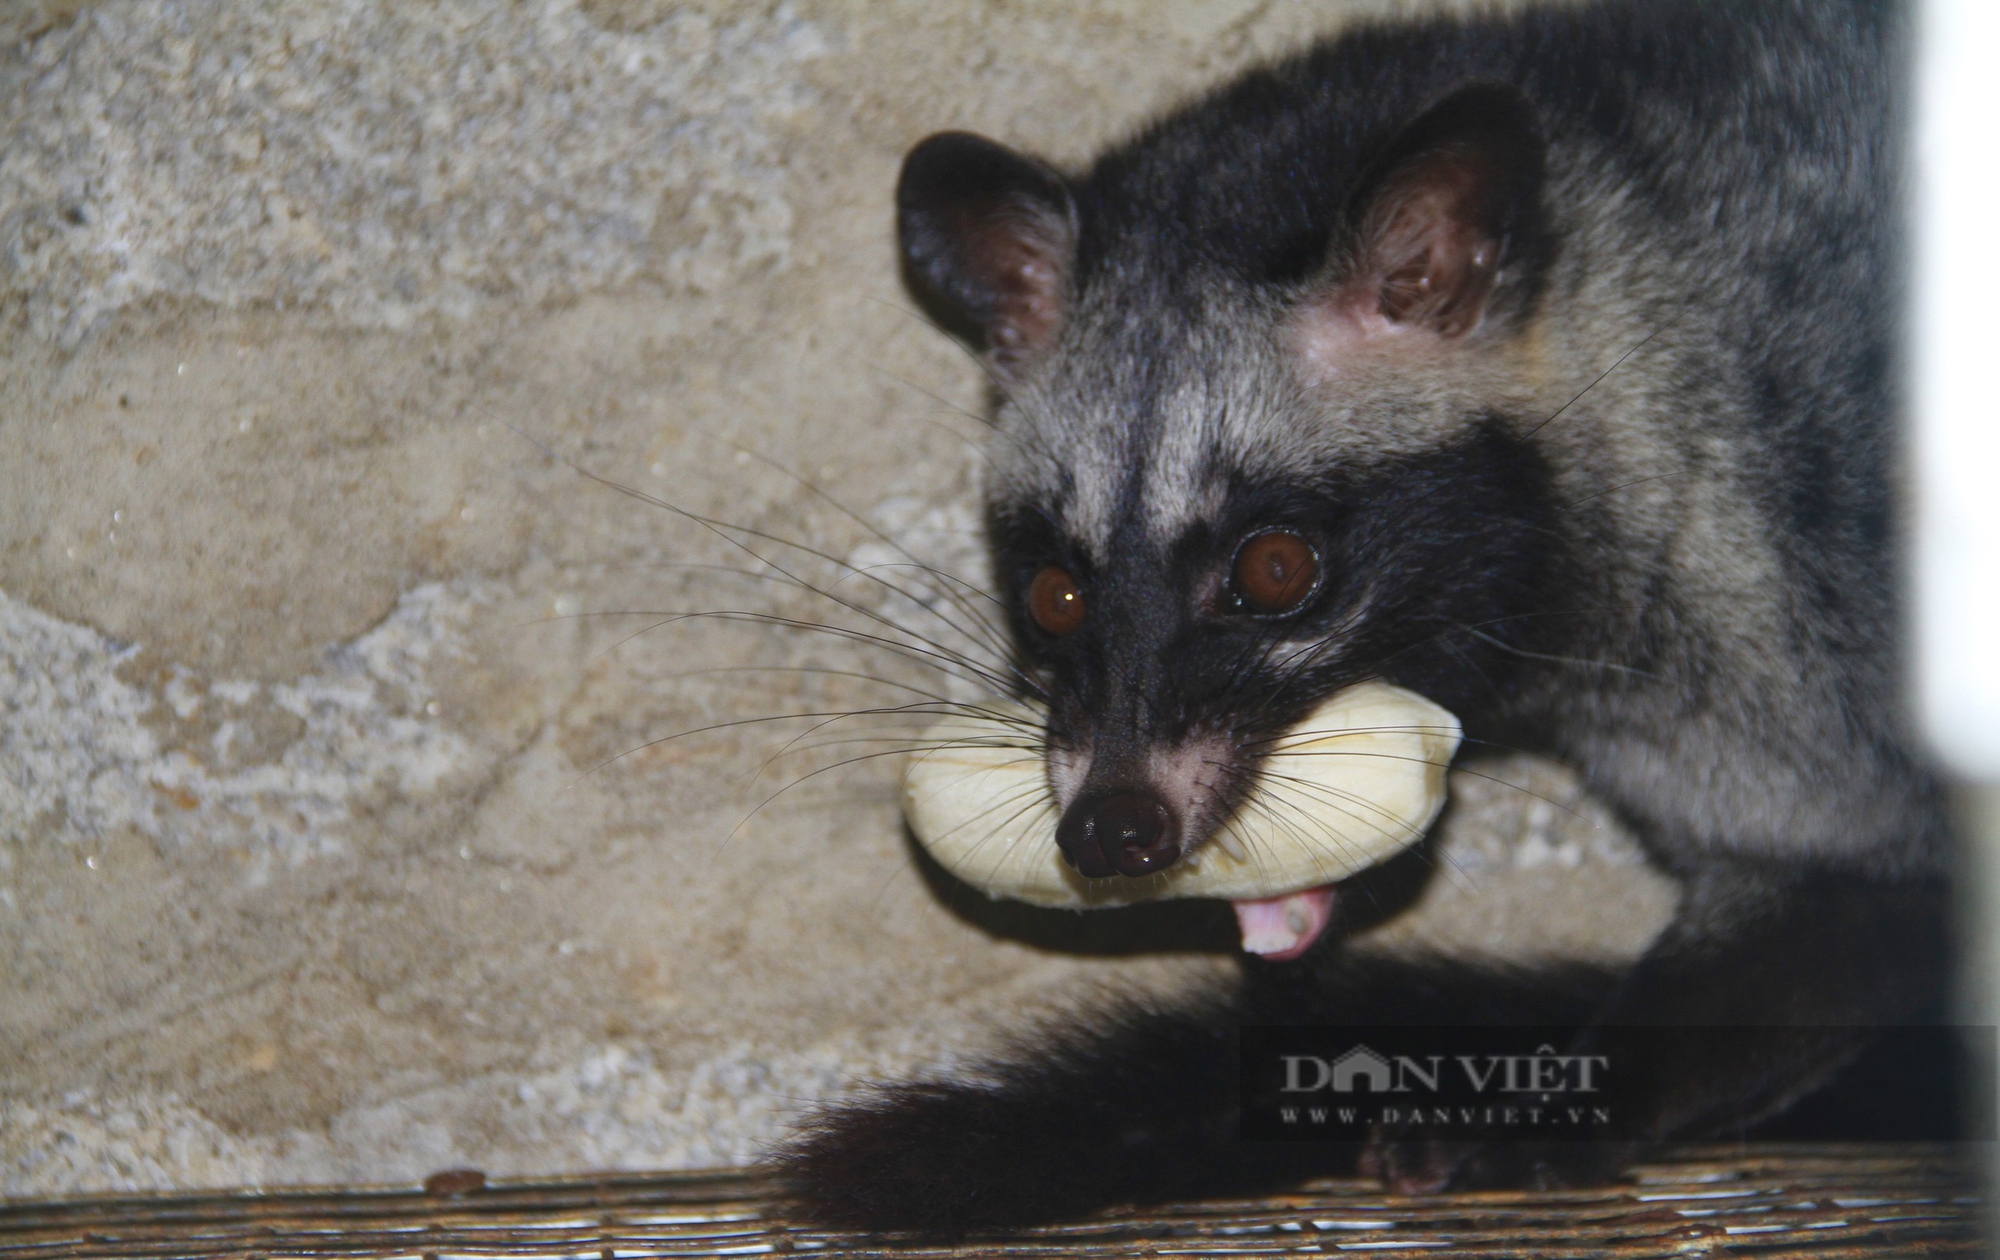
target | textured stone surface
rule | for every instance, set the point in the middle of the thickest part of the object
(340, 836)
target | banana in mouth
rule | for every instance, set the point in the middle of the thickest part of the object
(1359, 780)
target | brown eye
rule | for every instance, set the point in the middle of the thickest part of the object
(1055, 601)
(1276, 572)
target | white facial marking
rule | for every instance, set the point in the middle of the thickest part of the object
(1097, 476)
(1068, 768)
(1191, 778)
(1175, 467)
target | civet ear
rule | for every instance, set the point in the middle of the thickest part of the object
(987, 236)
(1446, 218)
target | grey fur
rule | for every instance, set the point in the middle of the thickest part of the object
(1639, 514)
(1726, 709)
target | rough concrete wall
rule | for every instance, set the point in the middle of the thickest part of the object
(334, 839)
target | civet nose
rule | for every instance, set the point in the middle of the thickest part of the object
(1125, 833)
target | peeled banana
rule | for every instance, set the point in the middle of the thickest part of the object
(1358, 780)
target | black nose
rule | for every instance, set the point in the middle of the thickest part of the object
(1124, 833)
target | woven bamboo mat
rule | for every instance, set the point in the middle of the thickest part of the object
(1818, 1201)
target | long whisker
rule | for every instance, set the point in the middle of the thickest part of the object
(945, 662)
(1456, 769)
(843, 763)
(1262, 800)
(811, 670)
(725, 530)
(817, 492)
(1580, 662)
(1334, 797)
(982, 631)
(718, 527)
(986, 716)
(665, 618)
(740, 722)
(1600, 378)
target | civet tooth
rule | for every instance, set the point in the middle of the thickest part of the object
(1359, 780)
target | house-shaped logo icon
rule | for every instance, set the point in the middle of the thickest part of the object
(1363, 1064)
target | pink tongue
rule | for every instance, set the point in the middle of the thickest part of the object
(1282, 928)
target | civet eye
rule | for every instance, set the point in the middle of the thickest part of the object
(1055, 601)
(1276, 572)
